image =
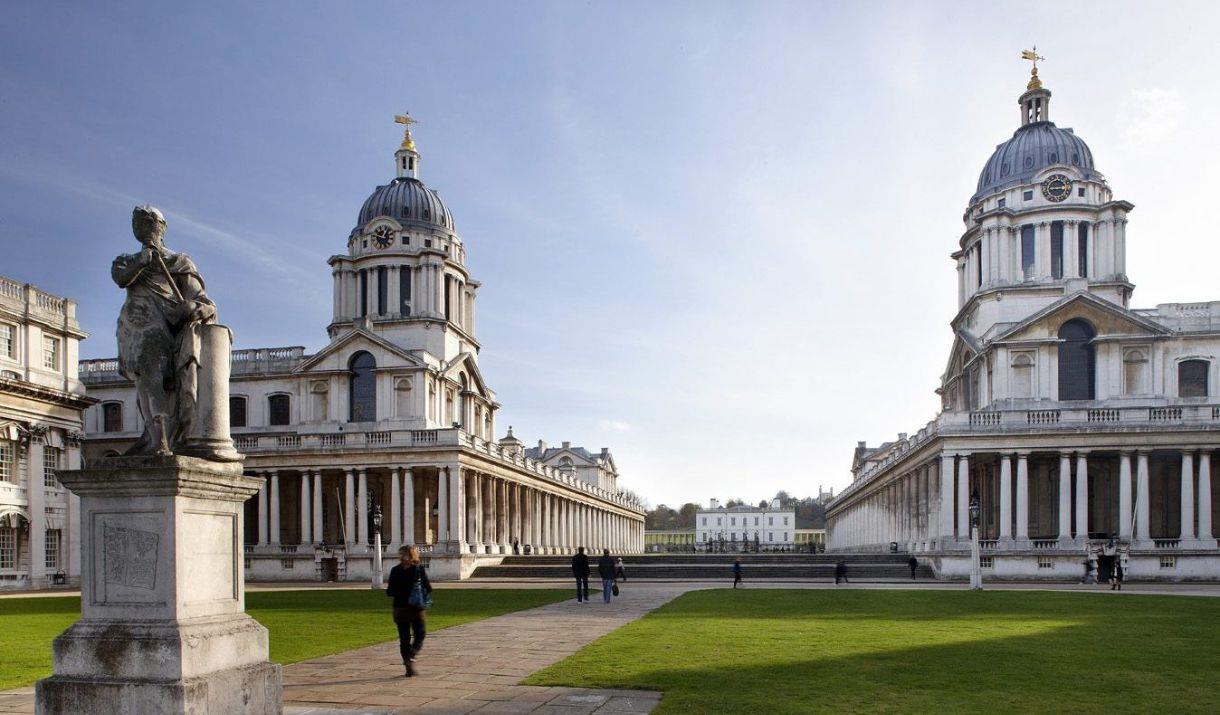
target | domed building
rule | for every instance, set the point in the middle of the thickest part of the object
(1073, 426)
(391, 427)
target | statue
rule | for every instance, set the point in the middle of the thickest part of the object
(172, 348)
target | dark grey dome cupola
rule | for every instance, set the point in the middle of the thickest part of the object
(405, 199)
(1036, 145)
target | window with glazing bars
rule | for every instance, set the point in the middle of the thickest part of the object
(8, 547)
(8, 341)
(52, 542)
(50, 465)
(1082, 248)
(1027, 252)
(1056, 249)
(8, 461)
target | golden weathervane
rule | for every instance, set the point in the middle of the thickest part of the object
(407, 120)
(1033, 56)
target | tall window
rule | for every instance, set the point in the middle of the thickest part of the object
(8, 461)
(1082, 248)
(1192, 378)
(1077, 363)
(1027, 252)
(112, 417)
(382, 290)
(1056, 249)
(50, 466)
(978, 265)
(404, 290)
(277, 410)
(448, 292)
(52, 542)
(50, 353)
(363, 388)
(8, 341)
(8, 547)
(363, 299)
(237, 411)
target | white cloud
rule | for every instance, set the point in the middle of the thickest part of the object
(613, 426)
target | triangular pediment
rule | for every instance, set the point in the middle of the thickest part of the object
(336, 355)
(1107, 319)
(465, 363)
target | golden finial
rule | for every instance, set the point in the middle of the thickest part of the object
(407, 120)
(1033, 56)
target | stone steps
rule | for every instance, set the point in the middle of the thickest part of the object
(715, 571)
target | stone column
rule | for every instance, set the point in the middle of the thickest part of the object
(395, 508)
(393, 297)
(1188, 496)
(318, 498)
(362, 508)
(491, 536)
(349, 508)
(1082, 496)
(442, 505)
(1022, 496)
(946, 497)
(371, 292)
(306, 537)
(502, 515)
(262, 511)
(1124, 496)
(455, 507)
(408, 505)
(1205, 499)
(274, 527)
(963, 496)
(1065, 496)
(1142, 498)
(36, 493)
(1006, 497)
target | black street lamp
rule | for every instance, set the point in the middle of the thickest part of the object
(976, 566)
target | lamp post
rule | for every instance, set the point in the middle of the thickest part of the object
(976, 566)
(377, 546)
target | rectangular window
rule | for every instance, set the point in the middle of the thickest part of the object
(1080, 192)
(1045, 562)
(1056, 249)
(8, 547)
(1082, 248)
(1028, 196)
(8, 461)
(733, 521)
(52, 544)
(404, 290)
(112, 416)
(50, 465)
(448, 293)
(364, 294)
(1169, 562)
(383, 288)
(1027, 251)
(1001, 203)
(8, 341)
(50, 353)
(770, 536)
(978, 264)
(785, 521)
(718, 521)
(704, 521)
(770, 521)
(987, 562)
(755, 521)
(277, 407)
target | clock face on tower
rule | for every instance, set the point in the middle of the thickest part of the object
(383, 237)
(1057, 187)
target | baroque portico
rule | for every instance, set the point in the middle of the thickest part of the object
(1085, 428)
(392, 421)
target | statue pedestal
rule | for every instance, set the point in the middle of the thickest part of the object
(163, 626)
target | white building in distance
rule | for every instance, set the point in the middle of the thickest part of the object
(41, 401)
(393, 419)
(1084, 426)
(744, 527)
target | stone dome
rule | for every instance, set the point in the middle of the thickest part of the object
(405, 199)
(1031, 149)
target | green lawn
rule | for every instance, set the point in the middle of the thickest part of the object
(302, 624)
(903, 651)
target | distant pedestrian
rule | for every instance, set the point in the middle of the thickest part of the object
(605, 569)
(1116, 576)
(736, 572)
(580, 569)
(516, 547)
(841, 571)
(913, 563)
(620, 573)
(412, 594)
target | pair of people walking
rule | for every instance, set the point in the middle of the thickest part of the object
(608, 569)
(411, 590)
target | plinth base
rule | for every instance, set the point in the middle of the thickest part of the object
(248, 689)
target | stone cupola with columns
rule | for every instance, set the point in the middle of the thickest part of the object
(1085, 427)
(392, 415)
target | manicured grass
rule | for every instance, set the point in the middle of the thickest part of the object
(302, 624)
(904, 651)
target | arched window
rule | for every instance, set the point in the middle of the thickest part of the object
(1135, 372)
(1022, 376)
(1077, 361)
(237, 411)
(1192, 378)
(277, 410)
(363, 397)
(112, 417)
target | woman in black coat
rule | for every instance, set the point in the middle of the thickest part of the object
(408, 616)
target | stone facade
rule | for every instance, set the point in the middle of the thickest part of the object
(393, 415)
(737, 528)
(41, 404)
(1085, 427)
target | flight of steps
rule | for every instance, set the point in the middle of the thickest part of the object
(705, 567)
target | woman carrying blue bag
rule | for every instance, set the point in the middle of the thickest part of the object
(412, 594)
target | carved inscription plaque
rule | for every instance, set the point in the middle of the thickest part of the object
(130, 557)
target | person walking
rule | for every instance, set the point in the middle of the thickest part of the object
(620, 573)
(841, 571)
(913, 563)
(605, 569)
(1116, 576)
(580, 569)
(412, 594)
(736, 572)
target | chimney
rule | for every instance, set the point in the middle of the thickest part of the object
(567, 445)
(902, 436)
(715, 503)
(541, 448)
(861, 445)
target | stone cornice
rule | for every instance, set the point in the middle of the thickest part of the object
(141, 476)
(21, 388)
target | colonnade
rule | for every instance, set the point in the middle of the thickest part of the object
(902, 510)
(451, 507)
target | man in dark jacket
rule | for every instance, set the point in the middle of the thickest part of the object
(914, 564)
(580, 569)
(840, 571)
(605, 569)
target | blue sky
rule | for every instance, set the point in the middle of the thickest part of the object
(713, 237)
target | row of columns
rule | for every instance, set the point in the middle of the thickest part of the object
(900, 511)
(475, 513)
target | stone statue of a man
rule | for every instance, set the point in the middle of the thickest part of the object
(171, 348)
